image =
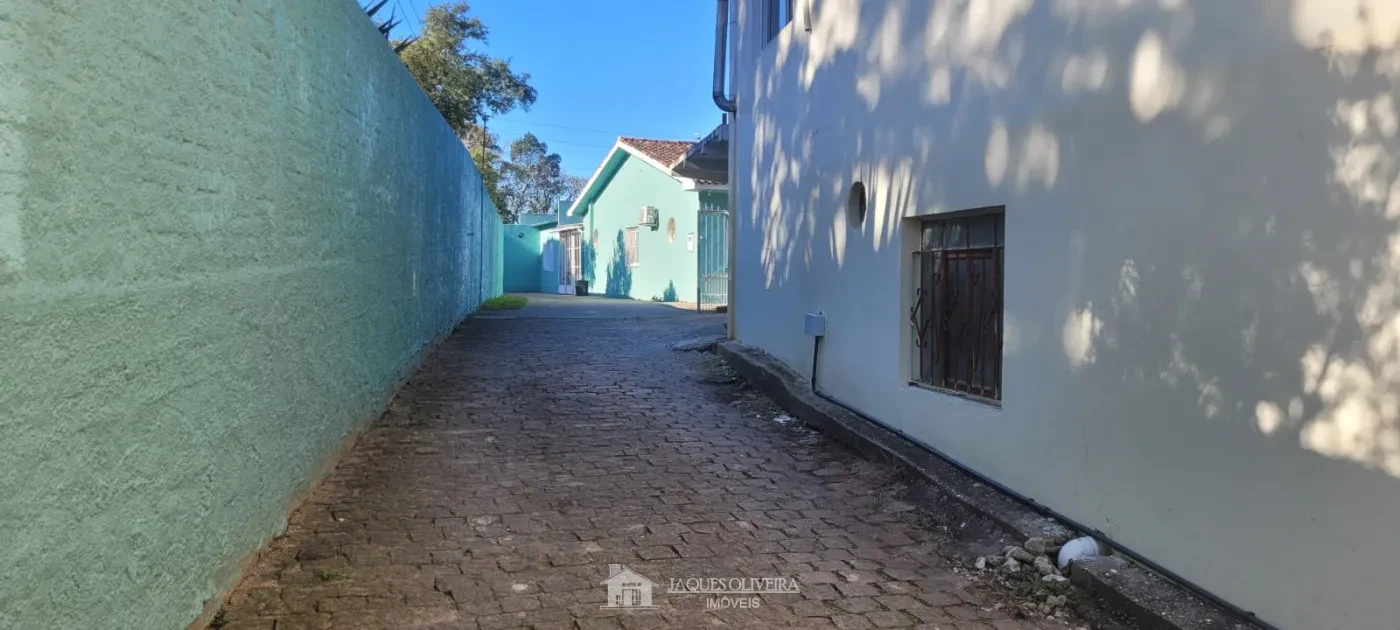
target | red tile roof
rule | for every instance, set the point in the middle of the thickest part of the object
(667, 152)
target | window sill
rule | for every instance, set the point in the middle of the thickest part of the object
(957, 394)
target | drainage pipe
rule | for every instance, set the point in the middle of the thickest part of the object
(722, 100)
(1038, 507)
(718, 93)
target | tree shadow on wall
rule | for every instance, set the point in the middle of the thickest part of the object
(1273, 332)
(619, 274)
(589, 262)
(669, 295)
(1280, 320)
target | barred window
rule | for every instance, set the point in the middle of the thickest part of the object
(957, 309)
(779, 13)
(631, 244)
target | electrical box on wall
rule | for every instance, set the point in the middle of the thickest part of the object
(814, 324)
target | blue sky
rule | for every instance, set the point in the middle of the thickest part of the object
(602, 69)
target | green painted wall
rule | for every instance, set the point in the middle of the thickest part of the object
(549, 278)
(226, 229)
(667, 269)
(521, 247)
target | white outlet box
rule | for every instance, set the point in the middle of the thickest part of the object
(814, 324)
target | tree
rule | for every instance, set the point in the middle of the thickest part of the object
(573, 187)
(466, 85)
(532, 181)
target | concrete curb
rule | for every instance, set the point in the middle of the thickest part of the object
(1149, 600)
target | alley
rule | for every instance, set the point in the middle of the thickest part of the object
(529, 454)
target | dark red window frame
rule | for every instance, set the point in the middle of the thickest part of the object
(957, 310)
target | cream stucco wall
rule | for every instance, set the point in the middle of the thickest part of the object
(1202, 266)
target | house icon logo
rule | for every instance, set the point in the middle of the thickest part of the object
(627, 589)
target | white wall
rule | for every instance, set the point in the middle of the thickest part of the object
(1202, 264)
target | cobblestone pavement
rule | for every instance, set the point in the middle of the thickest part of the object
(529, 454)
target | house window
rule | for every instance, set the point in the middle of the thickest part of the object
(630, 243)
(777, 15)
(957, 307)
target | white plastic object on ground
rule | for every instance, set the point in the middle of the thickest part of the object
(1078, 549)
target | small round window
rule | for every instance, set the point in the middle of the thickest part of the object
(855, 205)
(670, 230)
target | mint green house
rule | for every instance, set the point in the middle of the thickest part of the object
(534, 259)
(640, 231)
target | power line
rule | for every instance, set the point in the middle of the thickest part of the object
(614, 134)
(548, 141)
(404, 21)
(576, 144)
(540, 124)
(418, 17)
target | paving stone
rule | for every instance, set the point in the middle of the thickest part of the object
(851, 622)
(897, 602)
(527, 455)
(889, 619)
(857, 604)
(811, 608)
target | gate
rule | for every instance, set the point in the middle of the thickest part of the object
(713, 258)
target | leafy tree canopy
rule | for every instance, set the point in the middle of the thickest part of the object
(465, 84)
(532, 181)
(573, 187)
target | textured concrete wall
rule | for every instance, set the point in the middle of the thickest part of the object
(1202, 285)
(225, 229)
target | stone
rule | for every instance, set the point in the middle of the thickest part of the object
(1045, 566)
(1054, 578)
(980, 564)
(1037, 545)
(697, 344)
(1010, 566)
(1056, 601)
(995, 561)
(1020, 555)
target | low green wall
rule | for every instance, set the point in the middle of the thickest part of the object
(521, 266)
(226, 229)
